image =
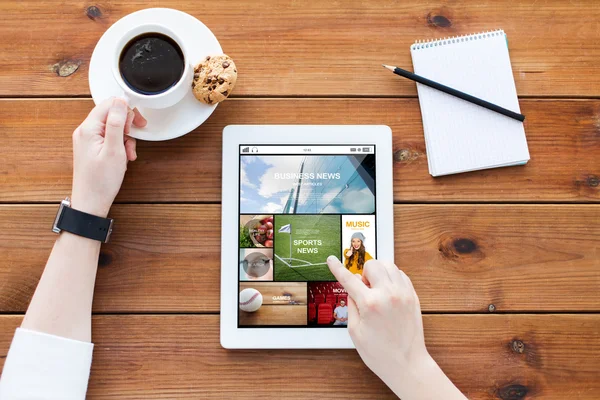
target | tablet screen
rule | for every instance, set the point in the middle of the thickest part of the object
(299, 204)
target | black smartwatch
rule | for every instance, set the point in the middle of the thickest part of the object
(81, 224)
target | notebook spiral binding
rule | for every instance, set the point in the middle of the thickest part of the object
(424, 44)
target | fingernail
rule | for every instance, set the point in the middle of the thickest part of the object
(332, 259)
(119, 103)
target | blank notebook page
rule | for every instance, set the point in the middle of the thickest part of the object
(461, 136)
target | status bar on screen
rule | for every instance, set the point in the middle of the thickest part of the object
(306, 150)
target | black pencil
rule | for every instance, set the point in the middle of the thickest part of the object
(454, 92)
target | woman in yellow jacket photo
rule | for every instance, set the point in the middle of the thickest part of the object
(356, 256)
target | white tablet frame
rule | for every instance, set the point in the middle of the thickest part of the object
(233, 337)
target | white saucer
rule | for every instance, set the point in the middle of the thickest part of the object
(166, 123)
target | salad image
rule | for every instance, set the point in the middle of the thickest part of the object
(257, 231)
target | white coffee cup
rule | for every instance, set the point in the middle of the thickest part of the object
(161, 100)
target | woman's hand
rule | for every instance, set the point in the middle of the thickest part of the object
(385, 323)
(349, 253)
(101, 149)
(384, 320)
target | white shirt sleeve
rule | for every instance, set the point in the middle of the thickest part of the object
(45, 367)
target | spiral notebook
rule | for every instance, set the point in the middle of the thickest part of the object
(461, 136)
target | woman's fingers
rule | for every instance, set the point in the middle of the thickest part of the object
(353, 286)
(406, 280)
(393, 272)
(375, 273)
(139, 119)
(100, 112)
(130, 148)
(353, 315)
(363, 279)
(130, 116)
(115, 124)
(134, 117)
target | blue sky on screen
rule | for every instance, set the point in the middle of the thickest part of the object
(262, 190)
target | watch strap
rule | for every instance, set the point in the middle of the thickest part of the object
(84, 224)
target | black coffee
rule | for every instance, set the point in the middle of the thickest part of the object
(151, 63)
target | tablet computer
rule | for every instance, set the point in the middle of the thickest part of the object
(292, 196)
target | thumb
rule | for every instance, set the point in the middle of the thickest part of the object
(115, 124)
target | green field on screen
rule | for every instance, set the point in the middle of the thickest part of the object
(313, 238)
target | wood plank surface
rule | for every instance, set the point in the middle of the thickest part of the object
(503, 357)
(305, 48)
(563, 138)
(461, 258)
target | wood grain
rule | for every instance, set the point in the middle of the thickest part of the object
(487, 356)
(470, 258)
(461, 258)
(306, 48)
(512, 257)
(563, 138)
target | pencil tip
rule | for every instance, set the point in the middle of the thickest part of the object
(388, 67)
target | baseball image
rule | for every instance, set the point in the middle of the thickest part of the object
(250, 300)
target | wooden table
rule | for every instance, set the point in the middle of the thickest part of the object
(506, 261)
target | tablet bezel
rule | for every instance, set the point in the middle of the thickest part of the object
(233, 337)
